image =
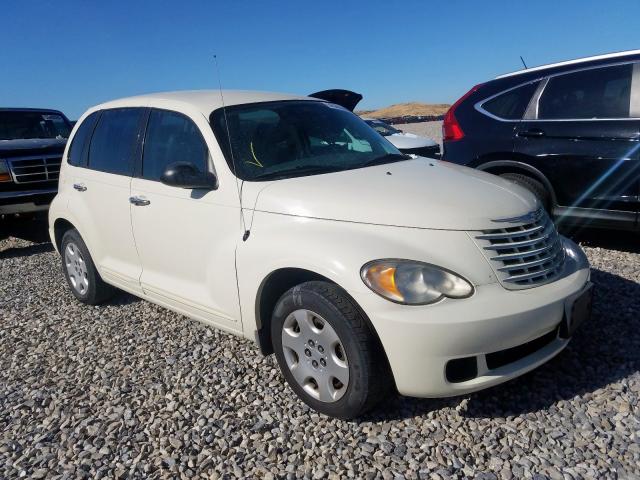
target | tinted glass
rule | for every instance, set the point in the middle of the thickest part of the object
(511, 105)
(595, 93)
(171, 137)
(293, 138)
(29, 124)
(113, 141)
(382, 128)
(76, 151)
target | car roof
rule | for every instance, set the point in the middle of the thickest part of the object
(18, 109)
(577, 61)
(206, 101)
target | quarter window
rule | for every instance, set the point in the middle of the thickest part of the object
(171, 137)
(511, 105)
(77, 152)
(114, 141)
(594, 93)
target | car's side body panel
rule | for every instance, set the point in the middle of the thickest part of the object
(275, 240)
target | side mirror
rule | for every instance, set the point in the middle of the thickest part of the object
(187, 175)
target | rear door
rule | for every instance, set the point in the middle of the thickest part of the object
(582, 131)
(101, 189)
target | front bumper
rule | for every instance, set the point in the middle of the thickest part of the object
(26, 201)
(421, 340)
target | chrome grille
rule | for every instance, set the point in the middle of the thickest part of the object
(525, 252)
(41, 168)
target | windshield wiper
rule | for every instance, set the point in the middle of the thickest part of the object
(311, 169)
(388, 158)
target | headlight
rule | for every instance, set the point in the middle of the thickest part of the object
(413, 283)
(5, 176)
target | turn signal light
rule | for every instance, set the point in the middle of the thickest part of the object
(5, 176)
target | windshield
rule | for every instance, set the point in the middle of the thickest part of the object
(382, 128)
(20, 125)
(293, 138)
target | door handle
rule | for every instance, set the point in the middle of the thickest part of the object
(533, 133)
(139, 201)
(80, 187)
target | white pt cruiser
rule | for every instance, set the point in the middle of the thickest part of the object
(289, 221)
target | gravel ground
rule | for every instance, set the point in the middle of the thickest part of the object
(130, 389)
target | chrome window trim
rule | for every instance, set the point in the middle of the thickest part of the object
(634, 105)
(540, 91)
(531, 113)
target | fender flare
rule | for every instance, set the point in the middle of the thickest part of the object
(537, 174)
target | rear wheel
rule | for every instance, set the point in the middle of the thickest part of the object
(327, 351)
(533, 185)
(80, 271)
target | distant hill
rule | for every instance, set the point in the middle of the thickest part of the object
(407, 109)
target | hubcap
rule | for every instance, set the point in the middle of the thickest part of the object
(76, 268)
(315, 355)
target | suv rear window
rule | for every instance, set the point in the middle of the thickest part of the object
(594, 93)
(511, 105)
(114, 140)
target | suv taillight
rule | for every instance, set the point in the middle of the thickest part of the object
(451, 129)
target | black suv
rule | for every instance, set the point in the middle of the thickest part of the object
(31, 145)
(569, 132)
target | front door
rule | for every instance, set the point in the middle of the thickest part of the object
(101, 190)
(186, 238)
(585, 139)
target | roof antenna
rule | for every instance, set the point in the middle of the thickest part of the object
(522, 60)
(245, 236)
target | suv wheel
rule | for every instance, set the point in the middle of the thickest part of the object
(327, 352)
(80, 271)
(531, 184)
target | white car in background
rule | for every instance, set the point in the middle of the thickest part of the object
(364, 270)
(404, 141)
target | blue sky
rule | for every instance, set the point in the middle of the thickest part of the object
(73, 54)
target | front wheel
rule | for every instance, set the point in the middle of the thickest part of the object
(327, 351)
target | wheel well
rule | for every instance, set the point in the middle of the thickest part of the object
(272, 288)
(60, 226)
(500, 168)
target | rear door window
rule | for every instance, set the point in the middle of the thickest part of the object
(114, 141)
(512, 104)
(591, 94)
(171, 137)
(77, 150)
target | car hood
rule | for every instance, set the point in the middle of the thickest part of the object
(409, 140)
(418, 193)
(40, 144)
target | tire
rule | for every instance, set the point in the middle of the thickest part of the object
(531, 184)
(80, 271)
(354, 376)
